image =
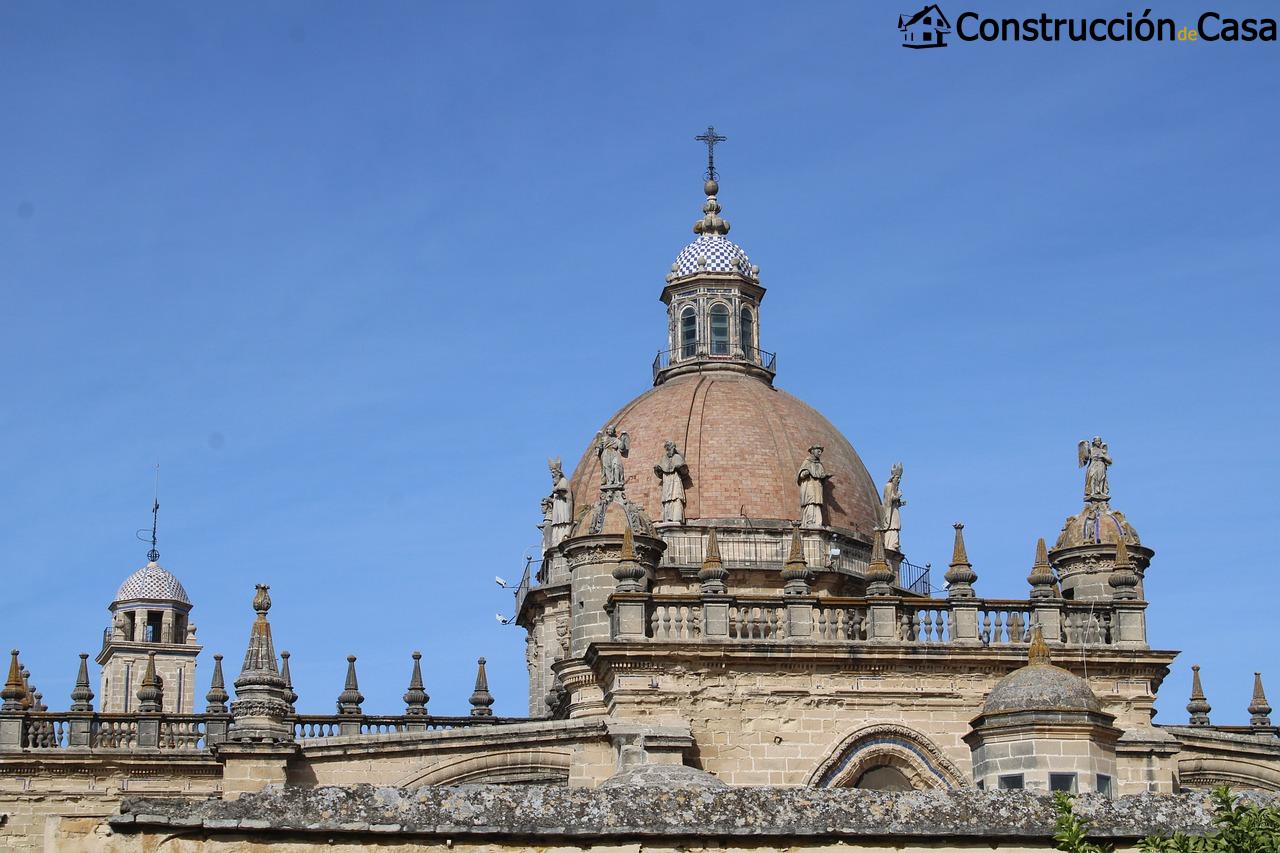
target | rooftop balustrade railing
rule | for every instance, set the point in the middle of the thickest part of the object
(50, 731)
(706, 352)
(992, 623)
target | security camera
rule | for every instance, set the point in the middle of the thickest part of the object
(499, 581)
(504, 620)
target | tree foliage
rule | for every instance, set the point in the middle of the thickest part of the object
(1239, 827)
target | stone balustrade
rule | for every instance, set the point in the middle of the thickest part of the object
(194, 733)
(696, 618)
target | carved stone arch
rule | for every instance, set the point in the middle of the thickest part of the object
(886, 745)
(523, 766)
(1234, 773)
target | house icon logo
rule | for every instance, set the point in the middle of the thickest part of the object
(926, 28)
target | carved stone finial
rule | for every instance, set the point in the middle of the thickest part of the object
(82, 694)
(1259, 708)
(150, 696)
(960, 577)
(289, 696)
(795, 571)
(350, 699)
(879, 572)
(13, 692)
(1038, 651)
(481, 698)
(28, 690)
(1123, 579)
(713, 574)
(416, 698)
(1198, 707)
(217, 695)
(628, 573)
(261, 706)
(1044, 584)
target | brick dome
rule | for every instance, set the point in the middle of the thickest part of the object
(743, 441)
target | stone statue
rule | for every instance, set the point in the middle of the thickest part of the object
(612, 447)
(671, 471)
(118, 626)
(812, 479)
(561, 503)
(891, 509)
(1095, 456)
(545, 525)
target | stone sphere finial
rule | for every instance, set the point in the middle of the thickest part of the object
(711, 187)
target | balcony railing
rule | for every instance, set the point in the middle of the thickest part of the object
(992, 623)
(703, 352)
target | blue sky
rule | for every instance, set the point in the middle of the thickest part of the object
(350, 272)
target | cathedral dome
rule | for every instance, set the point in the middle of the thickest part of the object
(712, 253)
(1101, 526)
(152, 582)
(744, 441)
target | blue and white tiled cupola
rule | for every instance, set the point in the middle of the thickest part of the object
(713, 297)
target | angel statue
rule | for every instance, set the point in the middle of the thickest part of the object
(891, 509)
(1094, 455)
(612, 447)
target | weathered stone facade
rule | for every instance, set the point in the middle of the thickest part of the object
(717, 679)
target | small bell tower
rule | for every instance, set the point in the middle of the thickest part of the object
(150, 615)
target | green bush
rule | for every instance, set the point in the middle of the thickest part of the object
(1239, 827)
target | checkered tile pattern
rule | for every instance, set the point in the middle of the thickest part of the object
(152, 583)
(712, 253)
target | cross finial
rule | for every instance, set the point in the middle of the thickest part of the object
(711, 138)
(153, 555)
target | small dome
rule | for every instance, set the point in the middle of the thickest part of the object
(713, 253)
(665, 776)
(1096, 526)
(1041, 687)
(152, 582)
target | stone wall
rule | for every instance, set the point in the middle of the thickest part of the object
(486, 818)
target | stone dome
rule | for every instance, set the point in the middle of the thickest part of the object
(712, 253)
(152, 582)
(1041, 687)
(743, 441)
(1091, 526)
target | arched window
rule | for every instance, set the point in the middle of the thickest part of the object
(719, 330)
(748, 334)
(688, 333)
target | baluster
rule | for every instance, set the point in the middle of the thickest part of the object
(666, 622)
(842, 625)
(859, 626)
(678, 622)
(984, 629)
(904, 628)
(653, 623)
(1015, 626)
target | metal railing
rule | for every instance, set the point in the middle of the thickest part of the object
(915, 579)
(753, 355)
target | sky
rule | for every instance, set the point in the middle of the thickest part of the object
(349, 273)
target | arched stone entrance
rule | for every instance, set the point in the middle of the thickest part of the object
(889, 758)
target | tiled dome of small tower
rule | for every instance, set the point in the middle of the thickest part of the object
(712, 253)
(152, 582)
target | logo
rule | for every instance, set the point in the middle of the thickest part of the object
(926, 28)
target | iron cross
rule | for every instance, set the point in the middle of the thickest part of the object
(711, 138)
